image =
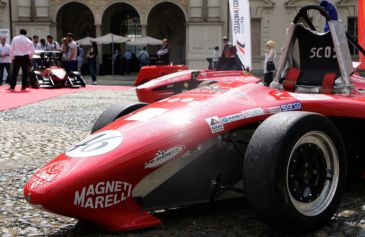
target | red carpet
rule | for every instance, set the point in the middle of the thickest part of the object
(13, 99)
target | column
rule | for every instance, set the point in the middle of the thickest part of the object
(144, 30)
(100, 48)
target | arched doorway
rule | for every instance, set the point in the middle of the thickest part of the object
(167, 20)
(81, 24)
(120, 19)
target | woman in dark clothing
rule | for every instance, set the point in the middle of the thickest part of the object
(91, 57)
(229, 60)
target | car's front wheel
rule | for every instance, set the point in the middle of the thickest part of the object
(295, 171)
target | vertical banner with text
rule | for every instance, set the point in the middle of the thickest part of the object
(361, 29)
(241, 30)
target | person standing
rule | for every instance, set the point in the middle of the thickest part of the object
(36, 62)
(128, 61)
(21, 52)
(64, 55)
(215, 58)
(164, 53)
(52, 45)
(4, 60)
(143, 57)
(269, 66)
(91, 60)
(80, 57)
(72, 54)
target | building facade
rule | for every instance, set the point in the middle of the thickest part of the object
(193, 27)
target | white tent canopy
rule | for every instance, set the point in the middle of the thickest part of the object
(147, 40)
(110, 38)
(85, 41)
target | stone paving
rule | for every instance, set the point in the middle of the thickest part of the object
(34, 134)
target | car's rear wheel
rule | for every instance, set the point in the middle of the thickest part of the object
(295, 171)
(114, 112)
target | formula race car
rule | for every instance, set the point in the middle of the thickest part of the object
(49, 73)
(286, 148)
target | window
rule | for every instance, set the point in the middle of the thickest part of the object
(256, 37)
(24, 8)
(214, 8)
(352, 31)
(196, 8)
(42, 8)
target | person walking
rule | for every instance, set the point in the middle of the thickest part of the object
(21, 52)
(4, 60)
(91, 60)
(269, 66)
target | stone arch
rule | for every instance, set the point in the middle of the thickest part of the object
(166, 19)
(121, 18)
(81, 24)
(164, 1)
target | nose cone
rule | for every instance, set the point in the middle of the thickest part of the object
(40, 187)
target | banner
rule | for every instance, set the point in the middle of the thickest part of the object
(361, 29)
(241, 30)
(5, 33)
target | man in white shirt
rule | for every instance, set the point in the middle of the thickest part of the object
(4, 60)
(21, 52)
(72, 54)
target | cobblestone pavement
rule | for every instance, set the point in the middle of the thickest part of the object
(32, 135)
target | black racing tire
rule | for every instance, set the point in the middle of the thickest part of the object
(34, 81)
(81, 81)
(295, 171)
(114, 112)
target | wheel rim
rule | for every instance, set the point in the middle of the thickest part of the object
(312, 173)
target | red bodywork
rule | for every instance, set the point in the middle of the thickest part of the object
(165, 86)
(148, 73)
(101, 187)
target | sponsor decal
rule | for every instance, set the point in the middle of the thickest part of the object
(272, 110)
(173, 100)
(186, 100)
(48, 174)
(311, 96)
(147, 114)
(215, 124)
(195, 103)
(291, 106)
(163, 156)
(232, 118)
(97, 144)
(253, 112)
(103, 194)
(322, 52)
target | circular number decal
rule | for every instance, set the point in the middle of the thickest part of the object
(97, 144)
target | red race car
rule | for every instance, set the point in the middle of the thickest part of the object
(286, 148)
(50, 73)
